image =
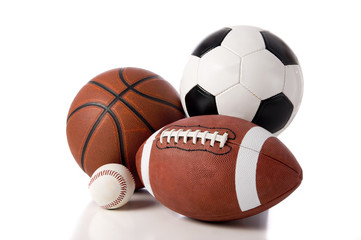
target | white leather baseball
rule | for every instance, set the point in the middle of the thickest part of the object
(111, 186)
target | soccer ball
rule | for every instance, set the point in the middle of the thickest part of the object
(244, 72)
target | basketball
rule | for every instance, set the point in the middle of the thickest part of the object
(114, 113)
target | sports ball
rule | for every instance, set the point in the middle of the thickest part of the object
(114, 113)
(217, 168)
(244, 72)
(111, 186)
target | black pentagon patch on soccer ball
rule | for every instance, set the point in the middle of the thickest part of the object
(200, 102)
(279, 48)
(274, 113)
(212, 41)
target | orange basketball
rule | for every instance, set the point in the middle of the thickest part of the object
(114, 113)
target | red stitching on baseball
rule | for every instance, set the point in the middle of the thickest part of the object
(121, 181)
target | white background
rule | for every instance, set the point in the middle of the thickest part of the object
(50, 49)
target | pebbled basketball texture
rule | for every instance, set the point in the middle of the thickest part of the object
(217, 168)
(114, 113)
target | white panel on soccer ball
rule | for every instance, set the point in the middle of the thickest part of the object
(189, 79)
(293, 87)
(238, 102)
(244, 40)
(263, 74)
(218, 70)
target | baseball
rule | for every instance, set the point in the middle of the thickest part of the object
(111, 186)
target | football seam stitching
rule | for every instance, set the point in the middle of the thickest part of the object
(194, 135)
(285, 193)
(200, 126)
(194, 150)
(269, 157)
(280, 162)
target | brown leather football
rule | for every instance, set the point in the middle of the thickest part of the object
(217, 168)
(115, 112)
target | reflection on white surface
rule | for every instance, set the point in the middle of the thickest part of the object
(145, 218)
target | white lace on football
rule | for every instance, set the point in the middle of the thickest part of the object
(205, 135)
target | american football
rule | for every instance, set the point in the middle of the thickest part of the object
(217, 168)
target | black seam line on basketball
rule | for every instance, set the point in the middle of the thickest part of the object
(104, 87)
(140, 93)
(120, 73)
(94, 104)
(106, 110)
(137, 113)
(83, 106)
(131, 87)
(134, 84)
(88, 105)
(159, 100)
(119, 97)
